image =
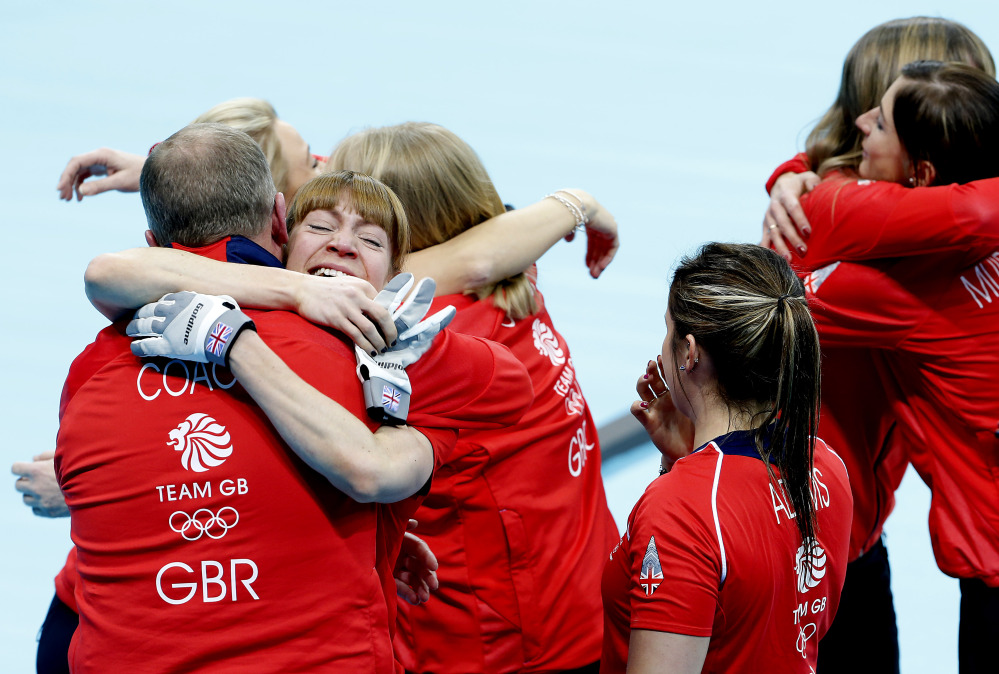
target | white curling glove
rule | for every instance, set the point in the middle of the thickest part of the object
(189, 326)
(383, 377)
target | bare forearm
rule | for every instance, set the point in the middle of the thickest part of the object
(385, 466)
(116, 283)
(496, 249)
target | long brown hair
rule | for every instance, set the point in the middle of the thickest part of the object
(444, 188)
(746, 307)
(873, 63)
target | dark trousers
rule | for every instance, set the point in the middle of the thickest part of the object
(54, 637)
(863, 636)
(978, 637)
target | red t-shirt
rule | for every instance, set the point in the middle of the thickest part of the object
(712, 550)
(519, 521)
(934, 322)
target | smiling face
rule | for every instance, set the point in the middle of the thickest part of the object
(302, 166)
(883, 158)
(340, 242)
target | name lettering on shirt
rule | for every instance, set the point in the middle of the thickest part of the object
(781, 502)
(179, 377)
(567, 387)
(985, 283)
(579, 448)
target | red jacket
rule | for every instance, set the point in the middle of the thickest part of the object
(933, 325)
(519, 522)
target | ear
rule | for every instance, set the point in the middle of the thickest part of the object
(926, 173)
(279, 228)
(151, 240)
(692, 355)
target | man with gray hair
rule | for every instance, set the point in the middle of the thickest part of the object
(203, 542)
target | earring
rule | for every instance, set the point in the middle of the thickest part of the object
(697, 360)
(912, 180)
(683, 367)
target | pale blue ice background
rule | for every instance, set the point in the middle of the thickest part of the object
(672, 113)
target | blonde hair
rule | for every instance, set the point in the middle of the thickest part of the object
(444, 187)
(873, 63)
(372, 199)
(256, 118)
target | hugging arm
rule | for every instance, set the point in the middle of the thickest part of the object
(385, 466)
(484, 254)
(118, 283)
(121, 171)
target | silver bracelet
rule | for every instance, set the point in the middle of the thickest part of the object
(577, 211)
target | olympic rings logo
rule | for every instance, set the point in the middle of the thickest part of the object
(204, 522)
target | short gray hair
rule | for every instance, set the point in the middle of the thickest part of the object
(204, 183)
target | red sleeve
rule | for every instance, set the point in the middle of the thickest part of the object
(675, 559)
(468, 382)
(799, 164)
(865, 220)
(861, 305)
(102, 351)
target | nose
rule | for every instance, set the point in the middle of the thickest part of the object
(342, 243)
(866, 120)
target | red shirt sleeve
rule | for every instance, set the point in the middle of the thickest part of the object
(798, 164)
(865, 220)
(468, 382)
(673, 545)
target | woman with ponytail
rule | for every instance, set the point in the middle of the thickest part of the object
(734, 557)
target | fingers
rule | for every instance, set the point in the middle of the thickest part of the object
(651, 384)
(639, 410)
(772, 232)
(76, 167)
(44, 456)
(150, 347)
(394, 291)
(811, 179)
(149, 326)
(600, 251)
(412, 524)
(418, 554)
(370, 327)
(406, 593)
(430, 327)
(797, 214)
(416, 305)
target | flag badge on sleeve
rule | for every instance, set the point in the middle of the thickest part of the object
(652, 570)
(216, 341)
(391, 397)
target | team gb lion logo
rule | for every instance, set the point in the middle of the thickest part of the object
(204, 441)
